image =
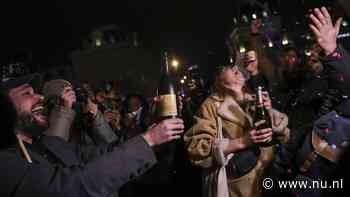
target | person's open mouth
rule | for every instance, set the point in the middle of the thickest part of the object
(37, 112)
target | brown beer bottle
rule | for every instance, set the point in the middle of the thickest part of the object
(261, 113)
(166, 106)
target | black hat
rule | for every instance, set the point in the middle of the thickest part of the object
(33, 80)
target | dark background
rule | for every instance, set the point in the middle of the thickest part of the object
(48, 31)
(51, 28)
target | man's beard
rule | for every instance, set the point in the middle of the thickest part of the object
(27, 124)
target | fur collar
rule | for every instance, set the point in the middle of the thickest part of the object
(229, 109)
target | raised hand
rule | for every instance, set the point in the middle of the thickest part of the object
(68, 96)
(324, 30)
(165, 131)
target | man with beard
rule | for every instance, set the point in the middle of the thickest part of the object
(62, 169)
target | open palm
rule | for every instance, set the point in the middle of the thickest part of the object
(324, 30)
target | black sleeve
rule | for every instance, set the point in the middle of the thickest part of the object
(99, 177)
(339, 60)
(101, 132)
(286, 154)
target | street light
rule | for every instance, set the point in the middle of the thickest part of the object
(242, 49)
(285, 40)
(175, 63)
(270, 44)
(345, 23)
(98, 42)
(254, 16)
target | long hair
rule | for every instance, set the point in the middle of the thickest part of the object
(222, 91)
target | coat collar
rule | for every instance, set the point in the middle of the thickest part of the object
(229, 109)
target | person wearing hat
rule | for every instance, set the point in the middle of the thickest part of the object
(228, 111)
(63, 169)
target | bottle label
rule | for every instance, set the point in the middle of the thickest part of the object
(167, 105)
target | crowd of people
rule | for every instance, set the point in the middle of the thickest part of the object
(61, 140)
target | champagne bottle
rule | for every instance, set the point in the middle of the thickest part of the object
(166, 107)
(261, 113)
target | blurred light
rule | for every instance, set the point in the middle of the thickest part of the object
(285, 40)
(235, 20)
(182, 81)
(265, 14)
(242, 49)
(307, 52)
(345, 35)
(175, 63)
(231, 60)
(254, 16)
(245, 19)
(345, 23)
(308, 37)
(270, 44)
(185, 77)
(98, 42)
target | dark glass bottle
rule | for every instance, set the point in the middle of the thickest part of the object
(166, 107)
(261, 113)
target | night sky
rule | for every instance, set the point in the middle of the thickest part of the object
(51, 29)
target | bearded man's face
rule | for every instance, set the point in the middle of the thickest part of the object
(29, 107)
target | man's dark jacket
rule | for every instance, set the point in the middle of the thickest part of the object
(63, 169)
(97, 172)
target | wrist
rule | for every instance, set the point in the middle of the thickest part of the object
(330, 50)
(148, 138)
(245, 142)
(236, 145)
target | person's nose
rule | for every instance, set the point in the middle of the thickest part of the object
(237, 73)
(39, 97)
